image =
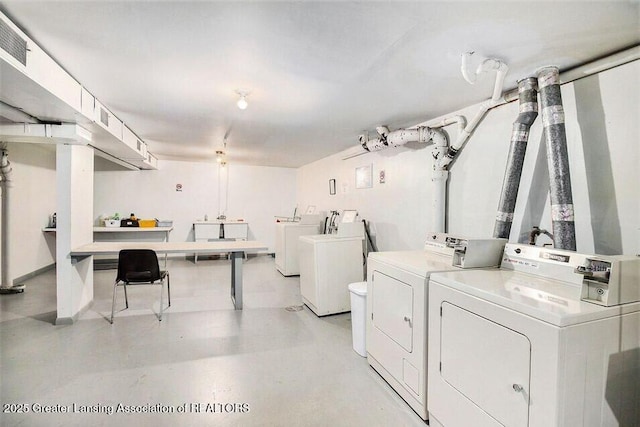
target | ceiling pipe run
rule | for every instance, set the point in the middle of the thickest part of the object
(485, 66)
(562, 215)
(422, 134)
(15, 115)
(399, 137)
(528, 111)
(7, 286)
(443, 153)
(501, 70)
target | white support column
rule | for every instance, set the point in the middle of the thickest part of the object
(74, 175)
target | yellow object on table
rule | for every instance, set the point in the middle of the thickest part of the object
(147, 222)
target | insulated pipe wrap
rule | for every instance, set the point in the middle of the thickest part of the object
(528, 111)
(564, 234)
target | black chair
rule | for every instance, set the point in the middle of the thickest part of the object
(139, 267)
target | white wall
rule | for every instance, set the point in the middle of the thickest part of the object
(33, 200)
(255, 194)
(602, 114)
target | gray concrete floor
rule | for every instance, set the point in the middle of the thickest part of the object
(287, 368)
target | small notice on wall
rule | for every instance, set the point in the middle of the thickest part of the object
(178, 187)
(363, 177)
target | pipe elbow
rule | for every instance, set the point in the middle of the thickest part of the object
(464, 68)
(492, 64)
(383, 131)
(502, 68)
(501, 72)
(438, 137)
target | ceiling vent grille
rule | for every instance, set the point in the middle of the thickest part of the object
(12, 43)
(104, 117)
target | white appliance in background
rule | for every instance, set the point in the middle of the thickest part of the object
(397, 307)
(329, 263)
(540, 342)
(287, 242)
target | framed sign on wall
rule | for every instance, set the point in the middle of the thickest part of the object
(364, 178)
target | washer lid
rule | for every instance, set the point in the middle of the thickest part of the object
(544, 298)
(421, 263)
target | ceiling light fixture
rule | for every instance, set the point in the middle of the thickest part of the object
(242, 102)
(219, 156)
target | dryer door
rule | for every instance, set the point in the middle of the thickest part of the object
(486, 362)
(393, 309)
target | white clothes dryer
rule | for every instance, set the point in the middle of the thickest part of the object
(552, 338)
(397, 307)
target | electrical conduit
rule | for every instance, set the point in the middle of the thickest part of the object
(519, 137)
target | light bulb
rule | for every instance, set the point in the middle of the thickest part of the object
(242, 103)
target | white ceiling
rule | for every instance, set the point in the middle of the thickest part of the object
(319, 73)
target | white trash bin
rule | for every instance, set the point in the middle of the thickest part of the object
(359, 316)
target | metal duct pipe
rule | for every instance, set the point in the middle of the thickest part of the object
(564, 233)
(528, 111)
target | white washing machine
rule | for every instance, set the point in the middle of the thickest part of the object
(328, 264)
(287, 242)
(552, 338)
(397, 307)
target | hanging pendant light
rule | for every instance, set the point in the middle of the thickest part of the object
(242, 101)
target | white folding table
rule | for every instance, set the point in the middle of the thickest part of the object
(235, 248)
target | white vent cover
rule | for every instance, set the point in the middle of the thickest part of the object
(12, 43)
(104, 117)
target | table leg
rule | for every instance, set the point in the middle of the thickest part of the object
(236, 279)
(166, 239)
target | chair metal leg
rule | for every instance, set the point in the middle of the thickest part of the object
(161, 294)
(126, 299)
(113, 303)
(169, 289)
